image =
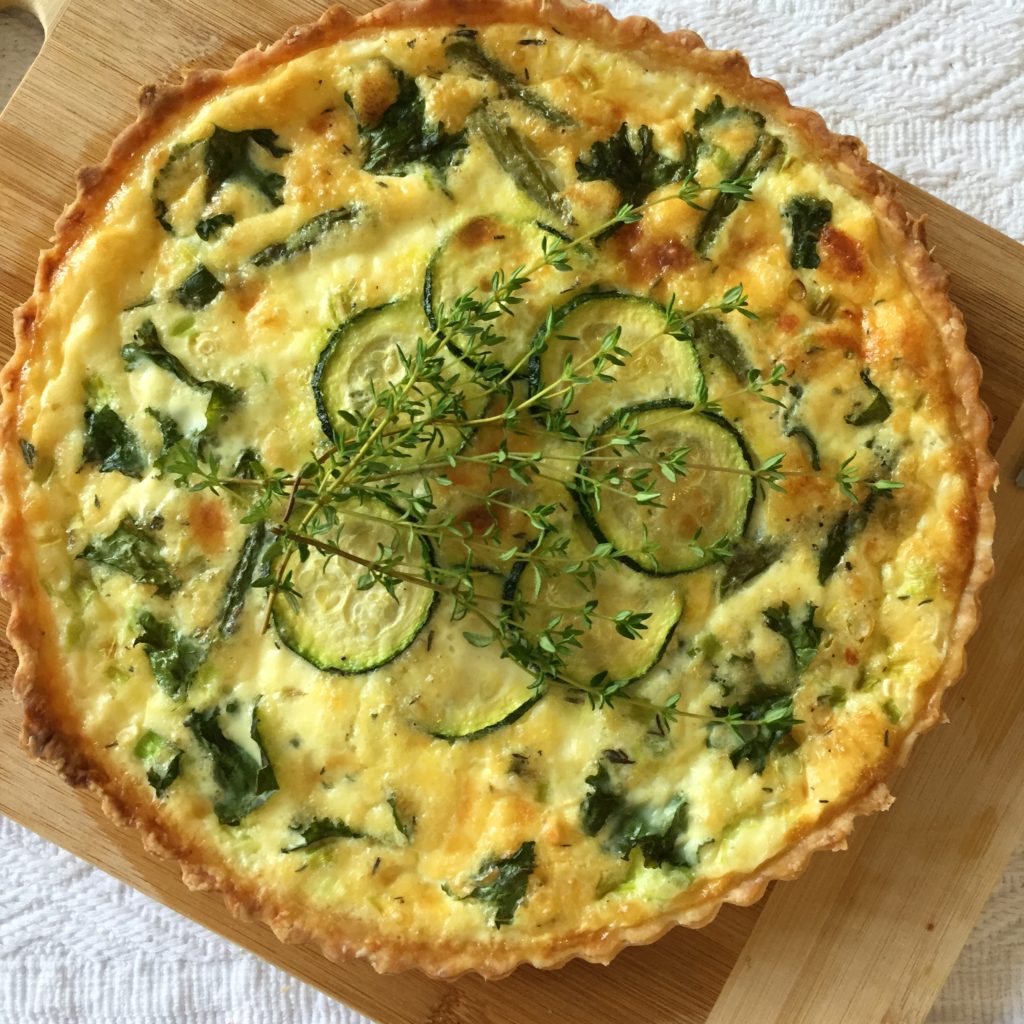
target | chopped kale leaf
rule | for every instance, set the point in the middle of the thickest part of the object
(402, 138)
(134, 549)
(174, 657)
(802, 635)
(657, 831)
(199, 289)
(840, 536)
(807, 217)
(169, 431)
(405, 825)
(210, 227)
(305, 237)
(318, 831)
(794, 428)
(146, 344)
(466, 51)
(749, 559)
(28, 452)
(245, 783)
(630, 162)
(501, 882)
(229, 156)
(161, 758)
(759, 724)
(877, 411)
(110, 442)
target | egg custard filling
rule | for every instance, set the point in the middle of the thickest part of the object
(485, 490)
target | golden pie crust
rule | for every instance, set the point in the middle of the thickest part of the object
(51, 731)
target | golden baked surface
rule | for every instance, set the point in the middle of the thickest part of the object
(709, 601)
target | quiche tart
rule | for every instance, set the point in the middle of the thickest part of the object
(486, 483)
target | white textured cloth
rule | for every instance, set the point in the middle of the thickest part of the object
(936, 89)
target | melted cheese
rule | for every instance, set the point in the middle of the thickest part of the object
(343, 746)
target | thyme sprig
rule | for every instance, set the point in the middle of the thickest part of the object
(410, 441)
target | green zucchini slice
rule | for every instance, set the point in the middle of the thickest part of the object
(466, 261)
(463, 692)
(716, 501)
(336, 626)
(363, 353)
(616, 589)
(660, 366)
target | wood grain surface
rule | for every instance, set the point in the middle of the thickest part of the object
(866, 937)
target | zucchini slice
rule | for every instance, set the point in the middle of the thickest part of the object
(718, 504)
(616, 589)
(660, 366)
(464, 692)
(336, 626)
(468, 259)
(363, 353)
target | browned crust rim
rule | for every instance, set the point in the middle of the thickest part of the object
(48, 733)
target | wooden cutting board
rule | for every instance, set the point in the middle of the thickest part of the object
(866, 937)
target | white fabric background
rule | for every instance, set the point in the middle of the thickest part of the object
(936, 89)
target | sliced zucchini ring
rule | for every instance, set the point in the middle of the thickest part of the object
(468, 259)
(336, 626)
(660, 366)
(718, 504)
(616, 589)
(463, 692)
(363, 353)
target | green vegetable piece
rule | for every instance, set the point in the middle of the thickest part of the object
(229, 157)
(402, 137)
(840, 536)
(245, 783)
(657, 831)
(630, 162)
(161, 758)
(749, 559)
(244, 572)
(169, 430)
(318, 831)
(760, 724)
(802, 635)
(174, 657)
(501, 884)
(807, 217)
(405, 826)
(28, 452)
(520, 161)
(877, 411)
(210, 227)
(757, 160)
(715, 339)
(199, 289)
(304, 238)
(146, 344)
(466, 51)
(110, 442)
(793, 428)
(133, 549)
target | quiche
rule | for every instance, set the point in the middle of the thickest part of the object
(486, 483)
